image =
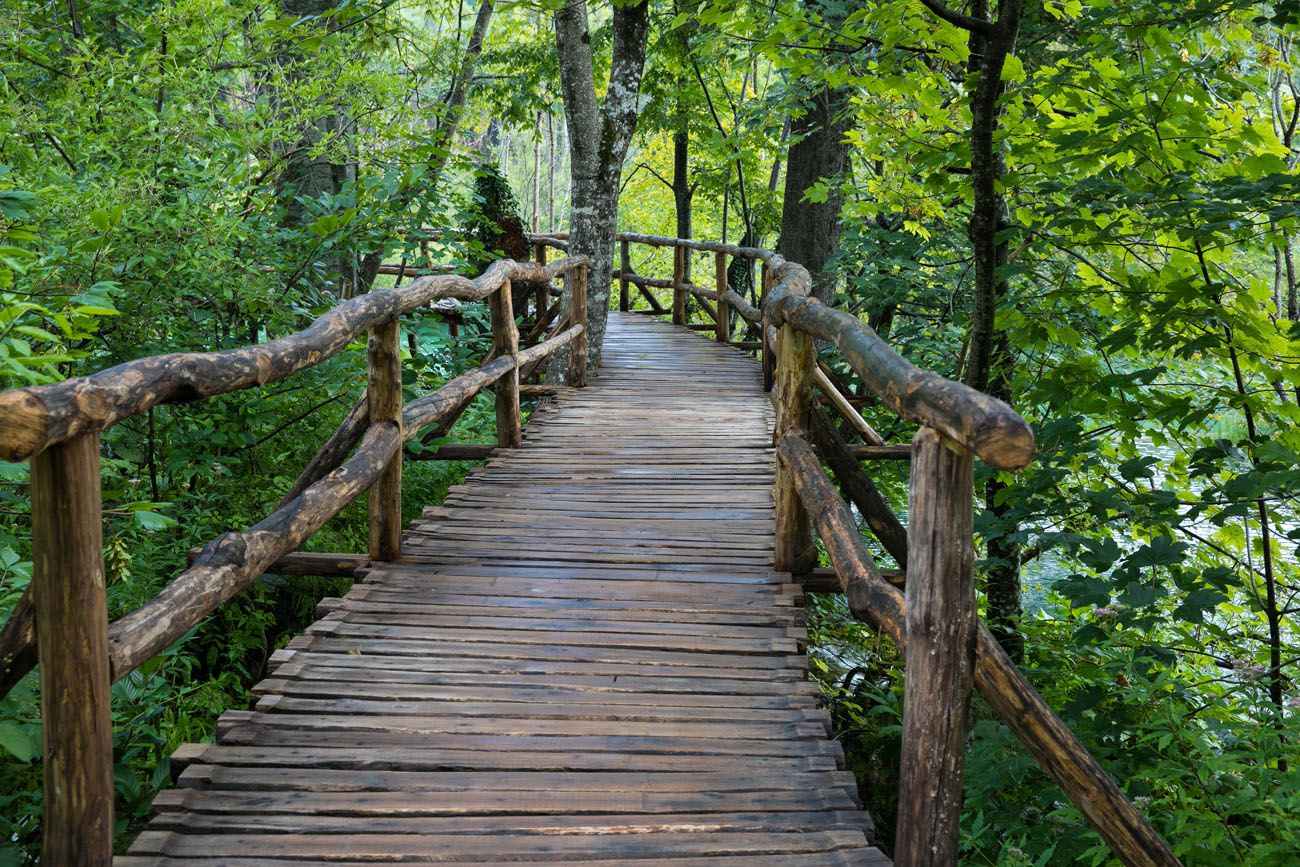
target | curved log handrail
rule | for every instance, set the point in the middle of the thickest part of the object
(44, 415)
(232, 561)
(985, 425)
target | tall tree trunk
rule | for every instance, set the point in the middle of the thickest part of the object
(990, 358)
(550, 171)
(599, 135)
(537, 172)
(810, 230)
(682, 188)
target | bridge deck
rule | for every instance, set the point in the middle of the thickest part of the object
(584, 656)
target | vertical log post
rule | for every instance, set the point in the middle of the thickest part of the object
(724, 306)
(769, 359)
(505, 344)
(679, 279)
(577, 279)
(940, 655)
(72, 648)
(384, 399)
(624, 268)
(542, 291)
(796, 360)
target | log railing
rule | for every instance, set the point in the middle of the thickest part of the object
(62, 624)
(934, 620)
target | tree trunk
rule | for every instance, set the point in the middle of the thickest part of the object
(599, 135)
(810, 231)
(682, 186)
(990, 358)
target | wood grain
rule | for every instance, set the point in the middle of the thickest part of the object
(384, 409)
(940, 654)
(68, 594)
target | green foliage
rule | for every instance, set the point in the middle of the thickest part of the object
(200, 175)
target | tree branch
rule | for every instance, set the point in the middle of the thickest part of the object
(958, 19)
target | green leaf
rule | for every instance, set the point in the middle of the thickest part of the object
(20, 741)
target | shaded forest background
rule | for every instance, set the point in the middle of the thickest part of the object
(1086, 208)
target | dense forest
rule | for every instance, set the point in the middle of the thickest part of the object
(1087, 209)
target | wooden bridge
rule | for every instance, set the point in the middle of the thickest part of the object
(593, 651)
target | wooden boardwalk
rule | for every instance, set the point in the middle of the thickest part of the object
(585, 656)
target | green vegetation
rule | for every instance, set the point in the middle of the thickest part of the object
(1104, 235)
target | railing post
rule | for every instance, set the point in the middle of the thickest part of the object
(795, 363)
(769, 359)
(542, 291)
(68, 593)
(505, 344)
(940, 654)
(724, 306)
(624, 268)
(384, 396)
(577, 279)
(679, 278)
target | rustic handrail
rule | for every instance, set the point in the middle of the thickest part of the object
(874, 600)
(45, 415)
(63, 614)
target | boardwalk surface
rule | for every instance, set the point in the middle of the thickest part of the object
(585, 656)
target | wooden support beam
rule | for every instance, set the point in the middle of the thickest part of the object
(335, 449)
(71, 624)
(881, 453)
(769, 358)
(827, 580)
(542, 389)
(624, 268)
(384, 398)
(541, 291)
(458, 452)
(577, 279)
(679, 289)
(655, 307)
(307, 563)
(859, 488)
(940, 654)
(505, 344)
(796, 360)
(847, 410)
(539, 328)
(722, 321)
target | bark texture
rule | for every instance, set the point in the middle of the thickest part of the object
(810, 230)
(599, 135)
